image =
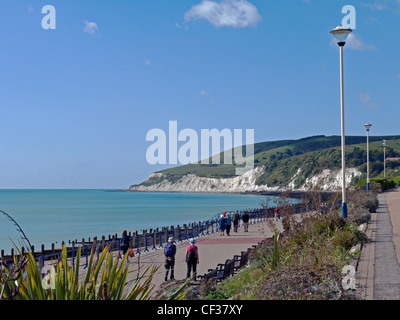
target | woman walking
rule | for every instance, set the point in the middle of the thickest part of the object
(192, 258)
(222, 225)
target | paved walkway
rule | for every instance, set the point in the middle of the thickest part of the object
(378, 272)
(213, 249)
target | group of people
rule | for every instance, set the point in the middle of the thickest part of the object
(192, 251)
(225, 222)
(191, 256)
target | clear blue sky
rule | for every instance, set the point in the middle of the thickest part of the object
(77, 102)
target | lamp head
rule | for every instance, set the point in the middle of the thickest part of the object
(367, 126)
(384, 143)
(341, 34)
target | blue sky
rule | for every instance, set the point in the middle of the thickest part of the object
(77, 102)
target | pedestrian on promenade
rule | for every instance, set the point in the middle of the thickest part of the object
(245, 219)
(235, 219)
(192, 258)
(324, 208)
(276, 213)
(125, 243)
(222, 224)
(169, 252)
(228, 224)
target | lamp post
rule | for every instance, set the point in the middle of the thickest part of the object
(341, 34)
(367, 126)
(384, 158)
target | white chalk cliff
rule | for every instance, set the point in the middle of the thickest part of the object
(328, 180)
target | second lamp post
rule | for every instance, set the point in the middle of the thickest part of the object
(367, 126)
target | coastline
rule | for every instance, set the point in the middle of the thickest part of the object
(297, 194)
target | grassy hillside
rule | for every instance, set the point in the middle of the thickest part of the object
(282, 159)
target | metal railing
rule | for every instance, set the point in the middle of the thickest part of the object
(147, 241)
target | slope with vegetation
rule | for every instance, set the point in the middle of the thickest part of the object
(292, 163)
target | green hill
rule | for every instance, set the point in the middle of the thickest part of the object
(282, 159)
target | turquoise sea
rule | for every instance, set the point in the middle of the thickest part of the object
(53, 216)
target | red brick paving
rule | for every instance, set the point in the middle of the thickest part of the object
(230, 240)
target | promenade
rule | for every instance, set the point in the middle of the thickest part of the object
(213, 249)
(378, 271)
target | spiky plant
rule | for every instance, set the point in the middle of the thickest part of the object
(104, 279)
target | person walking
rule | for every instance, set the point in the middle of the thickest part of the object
(235, 219)
(228, 224)
(222, 224)
(124, 243)
(245, 219)
(276, 213)
(192, 258)
(169, 252)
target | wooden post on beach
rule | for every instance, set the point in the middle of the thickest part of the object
(113, 242)
(103, 241)
(52, 248)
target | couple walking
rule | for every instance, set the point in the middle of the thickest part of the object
(191, 258)
(225, 223)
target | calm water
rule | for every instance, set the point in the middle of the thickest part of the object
(53, 216)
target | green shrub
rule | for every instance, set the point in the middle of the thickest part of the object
(345, 239)
(384, 183)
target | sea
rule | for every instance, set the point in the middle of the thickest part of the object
(52, 216)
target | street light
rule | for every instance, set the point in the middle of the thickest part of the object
(367, 126)
(384, 158)
(341, 34)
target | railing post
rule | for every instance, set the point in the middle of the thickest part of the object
(160, 246)
(73, 251)
(154, 241)
(145, 242)
(86, 255)
(137, 244)
(180, 233)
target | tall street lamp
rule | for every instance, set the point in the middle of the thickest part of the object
(384, 158)
(367, 126)
(341, 34)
